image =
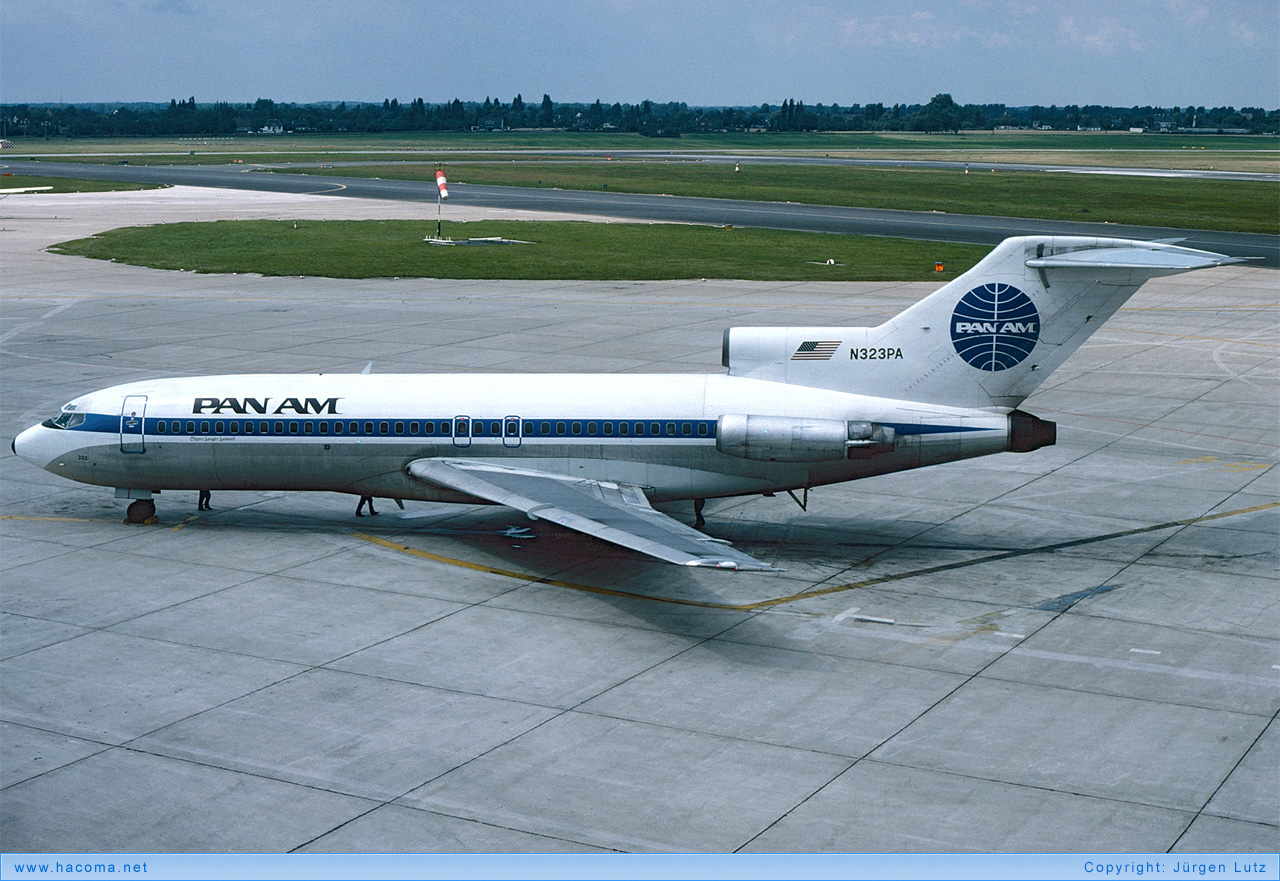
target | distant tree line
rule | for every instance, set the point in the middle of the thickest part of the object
(942, 114)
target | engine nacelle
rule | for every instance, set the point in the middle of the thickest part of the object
(791, 439)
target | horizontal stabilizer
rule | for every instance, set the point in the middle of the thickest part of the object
(1165, 257)
(612, 512)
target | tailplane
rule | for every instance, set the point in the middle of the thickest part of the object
(986, 339)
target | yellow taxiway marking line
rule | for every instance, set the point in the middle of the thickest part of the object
(732, 607)
(534, 579)
(808, 594)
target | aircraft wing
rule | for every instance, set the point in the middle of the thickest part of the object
(616, 513)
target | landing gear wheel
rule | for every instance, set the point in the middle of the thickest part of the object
(141, 511)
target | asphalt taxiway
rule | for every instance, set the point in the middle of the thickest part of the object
(1076, 649)
(928, 225)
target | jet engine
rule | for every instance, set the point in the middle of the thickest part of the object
(790, 439)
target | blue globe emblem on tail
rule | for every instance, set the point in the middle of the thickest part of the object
(995, 327)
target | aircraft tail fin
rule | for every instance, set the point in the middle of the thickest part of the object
(986, 339)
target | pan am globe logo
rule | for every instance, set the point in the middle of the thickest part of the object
(995, 327)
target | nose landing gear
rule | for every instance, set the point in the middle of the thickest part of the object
(141, 512)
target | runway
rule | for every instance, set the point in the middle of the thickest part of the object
(931, 226)
(1076, 649)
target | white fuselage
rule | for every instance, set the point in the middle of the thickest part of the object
(358, 433)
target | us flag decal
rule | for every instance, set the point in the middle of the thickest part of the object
(816, 350)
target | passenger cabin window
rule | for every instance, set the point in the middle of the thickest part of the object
(162, 426)
(191, 428)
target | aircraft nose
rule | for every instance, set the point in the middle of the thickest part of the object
(25, 446)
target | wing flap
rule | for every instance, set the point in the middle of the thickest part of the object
(615, 513)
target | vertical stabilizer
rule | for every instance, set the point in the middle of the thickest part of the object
(986, 339)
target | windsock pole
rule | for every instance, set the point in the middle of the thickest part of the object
(442, 185)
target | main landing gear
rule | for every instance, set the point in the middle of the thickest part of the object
(141, 512)
(699, 520)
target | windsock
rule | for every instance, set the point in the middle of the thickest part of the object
(442, 183)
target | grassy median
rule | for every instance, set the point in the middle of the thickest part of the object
(557, 250)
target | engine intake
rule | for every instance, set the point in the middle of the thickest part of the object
(790, 439)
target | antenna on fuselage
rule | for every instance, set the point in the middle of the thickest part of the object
(368, 368)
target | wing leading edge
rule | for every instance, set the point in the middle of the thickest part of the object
(612, 512)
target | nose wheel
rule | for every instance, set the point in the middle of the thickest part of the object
(141, 512)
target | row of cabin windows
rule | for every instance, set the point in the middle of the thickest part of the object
(443, 428)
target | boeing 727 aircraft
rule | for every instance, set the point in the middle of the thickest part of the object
(799, 407)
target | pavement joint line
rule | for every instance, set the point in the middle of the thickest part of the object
(1151, 425)
(1187, 336)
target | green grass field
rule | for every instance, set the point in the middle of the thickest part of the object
(70, 184)
(1239, 206)
(1112, 142)
(560, 250)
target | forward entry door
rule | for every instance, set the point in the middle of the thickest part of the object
(133, 420)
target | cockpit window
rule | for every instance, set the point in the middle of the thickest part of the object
(66, 419)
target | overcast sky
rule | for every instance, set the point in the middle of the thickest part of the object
(1015, 52)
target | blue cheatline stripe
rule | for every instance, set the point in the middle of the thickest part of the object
(577, 428)
(487, 428)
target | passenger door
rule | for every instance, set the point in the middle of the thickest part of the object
(511, 431)
(133, 420)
